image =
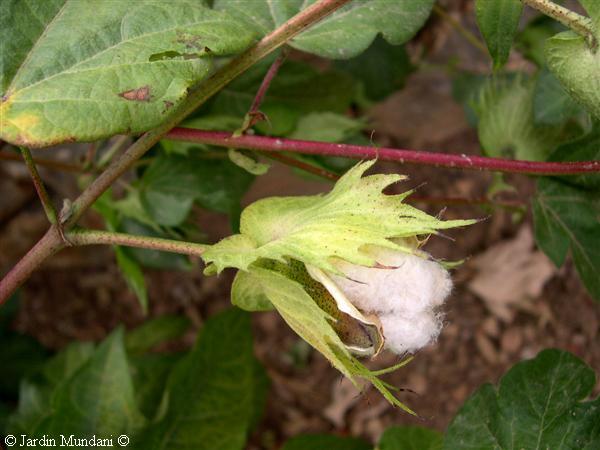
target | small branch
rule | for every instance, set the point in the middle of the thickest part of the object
(39, 186)
(470, 37)
(99, 237)
(222, 139)
(48, 245)
(579, 24)
(49, 163)
(266, 82)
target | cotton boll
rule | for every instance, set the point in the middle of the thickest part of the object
(409, 334)
(409, 284)
(403, 295)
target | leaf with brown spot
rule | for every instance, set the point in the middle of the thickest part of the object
(141, 94)
(84, 69)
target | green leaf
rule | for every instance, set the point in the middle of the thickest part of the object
(536, 405)
(172, 183)
(498, 21)
(246, 162)
(134, 276)
(566, 217)
(213, 393)
(410, 438)
(85, 70)
(345, 33)
(98, 399)
(577, 67)
(506, 127)
(154, 332)
(150, 374)
(248, 294)
(551, 103)
(326, 127)
(382, 69)
(325, 441)
(313, 229)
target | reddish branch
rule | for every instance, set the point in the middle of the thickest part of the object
(269, 144)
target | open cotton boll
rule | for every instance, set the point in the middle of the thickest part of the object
(409, 334)
(404, 295)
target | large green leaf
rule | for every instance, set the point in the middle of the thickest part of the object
(213, 393)
(498, 21)
(154, 332)
(325, 442)
(410, 438)
(87, 69)
(566, 217)
(537, 405)
(98, 399)
(343, 34)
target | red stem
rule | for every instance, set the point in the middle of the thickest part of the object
(462, 161)
(266, 82)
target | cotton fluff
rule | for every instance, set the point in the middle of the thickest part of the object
(403, 293)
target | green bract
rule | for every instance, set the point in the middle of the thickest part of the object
(282, 237)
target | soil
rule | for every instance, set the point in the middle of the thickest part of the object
(78, 294)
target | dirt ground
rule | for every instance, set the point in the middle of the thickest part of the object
(508, 302)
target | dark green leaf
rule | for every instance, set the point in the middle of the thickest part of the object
(150, 374)
(343, 34)
(98, 399)
(171, 181)
(568, 217)
(382, 69)
(325, 441)
(213, 392)
(297, 88)
(155, 331)
(410, 438)
(551, 103)
(63, 365)
(498, 21)
(536, 405)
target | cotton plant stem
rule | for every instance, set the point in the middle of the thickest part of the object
(580, 24)
(196, 97)
(39, 186)
(80, 237)
(472, 162)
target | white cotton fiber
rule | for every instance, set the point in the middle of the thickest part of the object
(404, 295)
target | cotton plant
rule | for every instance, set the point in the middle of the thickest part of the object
(345, 270)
